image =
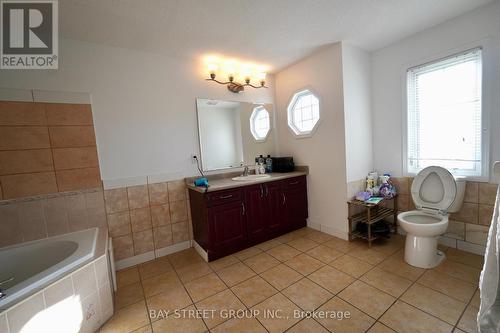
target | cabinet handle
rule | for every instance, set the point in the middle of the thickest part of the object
(284, 198)
(243, 208)
(267, 190)
(226, 196)
(261, 191)
(293, 183)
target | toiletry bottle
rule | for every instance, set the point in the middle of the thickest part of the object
(257, 168)
(262, 169)
(269, 164)
(261, 160)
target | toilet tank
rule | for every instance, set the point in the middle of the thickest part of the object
(459, 198)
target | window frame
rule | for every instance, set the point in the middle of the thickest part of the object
(485, 107)
(291, 102)
(252, 123)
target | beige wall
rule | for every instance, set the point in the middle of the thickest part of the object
(324, 152)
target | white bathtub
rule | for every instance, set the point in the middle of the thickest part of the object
(31, 266)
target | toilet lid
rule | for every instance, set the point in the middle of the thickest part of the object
(434, 188)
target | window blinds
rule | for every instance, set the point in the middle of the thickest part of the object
(444, 114)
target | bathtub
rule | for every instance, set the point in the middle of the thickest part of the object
(29, 267)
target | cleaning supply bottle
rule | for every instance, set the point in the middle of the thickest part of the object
(269, 164)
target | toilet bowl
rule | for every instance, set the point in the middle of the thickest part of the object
(436, 193)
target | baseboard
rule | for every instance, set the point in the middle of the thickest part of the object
(142, 258)
(334, 231)
(200, 250)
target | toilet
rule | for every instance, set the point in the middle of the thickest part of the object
(436, 193)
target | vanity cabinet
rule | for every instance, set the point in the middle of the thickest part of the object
(228, 221)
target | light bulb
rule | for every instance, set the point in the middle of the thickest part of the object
(212, 68)
(246, 72)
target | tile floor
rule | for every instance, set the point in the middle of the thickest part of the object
(303, 270)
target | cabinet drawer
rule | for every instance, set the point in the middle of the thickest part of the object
(294, 182)
(225, 196)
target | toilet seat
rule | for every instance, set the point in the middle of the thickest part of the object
(434, 189)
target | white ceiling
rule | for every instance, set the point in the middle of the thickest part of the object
(273, 32)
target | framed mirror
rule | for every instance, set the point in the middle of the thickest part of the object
(232, 134)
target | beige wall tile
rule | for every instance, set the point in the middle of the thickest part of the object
(25, 161)
(72, 136)
(77, 212)
(101, 270)
(158, 193)
(471, 192)
(68, 114)
(456, 229)
(123, 247)
(143, 241)
(160, 215)
(487, 193)
(116, 200)
(22, 313)
(56, 216)
(23, 185)
(176, 190)
(476, 234)
(31, 220)
(22, 113)
(178, 211)
(403, 202)
(180, 232)
(84, 281)
(59, 291)
(402, 185)
(485, 214)
(74, 158)
(1, 192)
(119, 224)
(78, 179)
(10, 228)
(24, 137)
(138, 196)
(96, 212)
(468, 213)
(140, 219)
(163, 236)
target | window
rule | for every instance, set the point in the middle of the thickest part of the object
(260, 124)
(444, 115)
(303, 113)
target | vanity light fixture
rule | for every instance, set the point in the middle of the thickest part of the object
(233, 70)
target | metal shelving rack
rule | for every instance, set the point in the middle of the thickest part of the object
(372, 213)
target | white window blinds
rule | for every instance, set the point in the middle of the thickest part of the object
(444, 114)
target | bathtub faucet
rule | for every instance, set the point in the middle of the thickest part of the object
(2, 293)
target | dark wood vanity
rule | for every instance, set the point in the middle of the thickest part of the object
(229, 220)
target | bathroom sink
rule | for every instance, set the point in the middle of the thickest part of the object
(250, 178)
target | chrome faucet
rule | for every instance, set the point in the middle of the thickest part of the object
(2, 293)
(245, 171)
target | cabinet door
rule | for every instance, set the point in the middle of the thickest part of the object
(274, 199)
(227, 228)
(256, 213)
(295, 203)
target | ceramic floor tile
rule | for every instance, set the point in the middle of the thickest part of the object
(399, 267)
(304, 264)
(307, 325)
(184, 258)
(160, 283)
(466, 258)
(224, 262)
(460, 271)
(261, 262)
(283, 252)
(144, 329)
(324, 253)
(153, 268)
(204, 287)
(387, 282)
(235, 274)
(302, 244)
(357, 321)
(175, 298)
(307, 294)
(284, 310)
(476, 299)
(127, 319)
(193, 271)
(318, 236)
(128, 294)
(331, 279)
(380, 328)
(268, 245)
(468, 321)
(237, 325)
(281, 276)
(435, 303)
(342, 245)
(185, 322)
(405, 318)
(247, 253)
(389, 246)
(368, 255)
(351, 266)
(367, 298)
(220, 304)
(127, 276)
(253, 291)
(448, 285)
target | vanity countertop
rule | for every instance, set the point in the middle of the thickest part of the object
(218, 184)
